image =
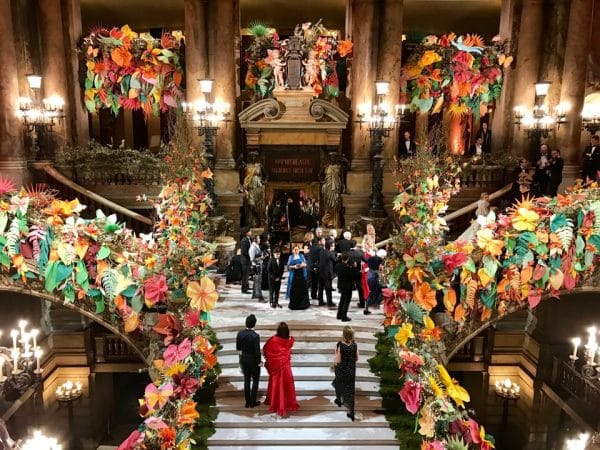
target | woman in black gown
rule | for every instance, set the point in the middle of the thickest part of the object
(297, 290)
(346, 355)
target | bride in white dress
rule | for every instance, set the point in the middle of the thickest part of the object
(482, 214)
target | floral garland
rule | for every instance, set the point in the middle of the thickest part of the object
(124, 69)
(259, 57)
(540, 247)
(99, 262)
(460, 73)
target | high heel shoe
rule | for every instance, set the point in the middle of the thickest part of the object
(350, 416)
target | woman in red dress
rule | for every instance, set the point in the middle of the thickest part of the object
(281, 393)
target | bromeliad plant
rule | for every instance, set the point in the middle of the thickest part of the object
(131, 71)
(459, 73)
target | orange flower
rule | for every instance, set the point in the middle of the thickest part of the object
(344, 47)
(473, 40)
(203, 295)
(428, 58)
(168, 438)
(121, 56)
(425, 296)
(187, 413)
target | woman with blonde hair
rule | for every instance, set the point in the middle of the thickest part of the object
(346, 355)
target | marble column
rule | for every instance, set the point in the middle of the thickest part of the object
(80, 133)
(54, 66)
(527, 66)
(13, 163)
(573, 84)
(196, 47)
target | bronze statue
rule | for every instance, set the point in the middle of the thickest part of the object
(253, 188)
(332, 179)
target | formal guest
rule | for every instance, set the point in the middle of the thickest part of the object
(281, 393)
(408, 147)
(374, 280)
(590, 164)
(275, 273)
(333, 235)
(313, 266)
(369, 239)
(318, 234)
(326, 263)
(369, 249)
(297, 289)
(519, 177)
(265, 246)
(233, 273)
(344, 270)
(357, 256)
(345, 244)
(477, 148)
(246, 262)
(486, 137)
(248, 344)
(541, 175)
(346, 356)
(256, 258)
(483, 209)
(308, 239)
(555, 170)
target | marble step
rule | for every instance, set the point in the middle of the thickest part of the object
(299, 447)
(301, 347)
(306, 402)
(303, 387)
(300, 373)
(259, 417)
(332, 336)
(314, 437)
(302, 325)
(298, 360)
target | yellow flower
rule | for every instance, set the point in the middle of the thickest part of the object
(426, 423)
(484, 441)
(484, 278)
(415, 274)
(486, 241)
(404, 334)
(203, 295)
(176, 369)
(429, 57)
(524, 219)
(455, 391)
(435, 387)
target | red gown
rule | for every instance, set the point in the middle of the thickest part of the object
(281, 393)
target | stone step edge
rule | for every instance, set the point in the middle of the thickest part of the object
(345, 424)
(289, 442)
(302, 326)
(324, 377)
(302, 351)
(359, 365)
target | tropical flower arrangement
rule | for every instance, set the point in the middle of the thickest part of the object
(100, 265)
(459, 73)
(131, 71)
(266, 50)
(537, 248)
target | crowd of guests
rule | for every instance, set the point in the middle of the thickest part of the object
(312, 267)
(277, 353)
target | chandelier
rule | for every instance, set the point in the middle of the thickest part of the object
(590, 369)
(379, 117)
(539, 122)
(590, 118)
(39, 115)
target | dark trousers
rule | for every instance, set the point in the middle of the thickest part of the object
(245, 270)
(358, 286)
(257, 284)
(325, 283)
(251, 372)
(553, 187)
(345, 298)
(314, 284)
(274, 287)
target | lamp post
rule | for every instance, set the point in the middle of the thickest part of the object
(507, 390)
(39, 117)
(538, 122)
(381, 122)
(68, 393)
(206, 117)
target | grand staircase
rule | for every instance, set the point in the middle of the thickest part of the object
(319, 423)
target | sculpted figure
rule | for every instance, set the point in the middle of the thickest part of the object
(311, 69)
(253, 188)
(332, 178)
(277, 64)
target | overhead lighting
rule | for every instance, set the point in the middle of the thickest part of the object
(542, 88)
(34, 81)
(382, 87)
(206, 86)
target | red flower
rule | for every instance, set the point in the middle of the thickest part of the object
(168, 438)
(192, 319)
(131, 442)
(155, 289)
(454, 260)
(411, 396)
(184, 386)
(168, 326)
(464, 58)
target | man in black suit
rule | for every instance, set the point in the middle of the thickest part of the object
(486, 137)
(248, 343)
(312, 262)
(345, 244)
(357, 256)
(275, 272)
(476, 149)
(345, 273)
(555, 170)
(407, 146)
(326, 262)
(590, 165)
(245, 248)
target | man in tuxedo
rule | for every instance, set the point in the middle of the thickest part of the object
(486, 137)
(312, 262)
(357, 255)
(345, 244)
(248, 343)
(476, 149)
(327, 260)
(555, 170)
(590, 165)
(275, 272)
(245, 248)
(407, 146)
(541, 175)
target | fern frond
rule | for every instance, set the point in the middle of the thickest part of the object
(12, 237)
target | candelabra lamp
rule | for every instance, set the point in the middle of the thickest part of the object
(590, 118)
(507, 390)
(206, 117)
(380, 122)
(39, 441)
(590, 368)
(39, 117)
(538, 122)
(68, 393)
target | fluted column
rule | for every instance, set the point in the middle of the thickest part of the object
(196, 47)
(527, 64)
(573, 83)
(54, 63)
(12, 159)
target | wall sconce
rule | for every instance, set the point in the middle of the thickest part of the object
(538, 122)
(590, 118)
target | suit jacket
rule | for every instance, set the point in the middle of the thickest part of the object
(556, 169)
(275, 270)
(245, 247)
(312, 259)
(590, 164)
(473, 149)
(345, 275)
(326, 261)
(486, 137)
(344, 245)
(248, 342)
(403, 151)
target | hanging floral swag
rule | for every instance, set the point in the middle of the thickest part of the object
(131, 71)
(460, 73)
(260, 58)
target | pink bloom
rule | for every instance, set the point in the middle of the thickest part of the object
(132, 441)
(192, 319)
(411, 396)
(435, 445)
(175, 353)
(185, 386)
(155, 423)
(454, 260)
(155, 289)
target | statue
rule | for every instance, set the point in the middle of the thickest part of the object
(277, 64)
(253, 188)
(332, 187)
(311, 69)
(293, 61)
